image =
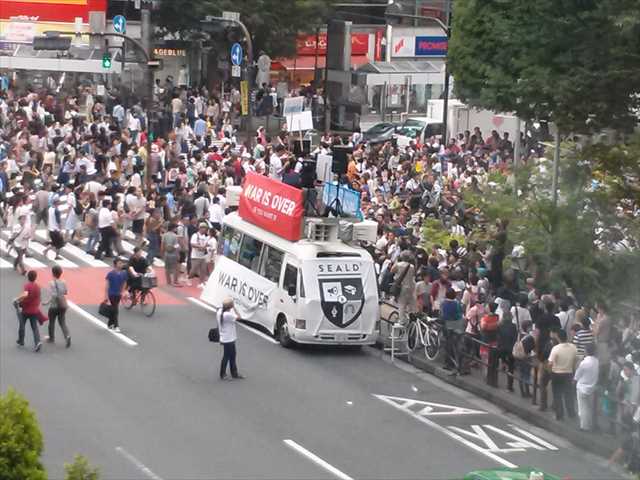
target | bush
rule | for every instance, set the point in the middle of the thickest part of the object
(21, 441)
(80, 470)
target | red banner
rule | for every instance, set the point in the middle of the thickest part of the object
(306, 44)
(272, 205)
(52, 10)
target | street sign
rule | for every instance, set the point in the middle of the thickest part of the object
(236, 54)
(155, 63)
(119, 24)
(233, 16)
(235, 71)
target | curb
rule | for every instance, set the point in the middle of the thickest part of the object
(496, 396)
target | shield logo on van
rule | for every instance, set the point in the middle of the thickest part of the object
(342, 300)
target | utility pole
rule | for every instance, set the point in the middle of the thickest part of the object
(516, 157)
(556, 168)
(147, 44)
(445, 103)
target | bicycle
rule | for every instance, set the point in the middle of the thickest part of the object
(143, 297)
(425, 333)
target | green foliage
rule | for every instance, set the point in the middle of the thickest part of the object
(568, 62)
(583, 243)
(272, 24)
(80, 470)
(21, 441)
(434, 233)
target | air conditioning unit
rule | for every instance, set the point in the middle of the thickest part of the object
(233, 196)
(321, 230)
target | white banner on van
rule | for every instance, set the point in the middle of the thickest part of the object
(251, 292)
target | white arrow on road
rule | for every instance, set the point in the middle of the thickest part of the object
(427, 409)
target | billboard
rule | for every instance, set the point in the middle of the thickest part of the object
(51, 10)
(431, 46)
(306, 44)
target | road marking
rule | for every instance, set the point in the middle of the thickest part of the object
(447, 432)
(139, 465)
(213, 309)
(100, 324)
(5, 264)
(317, 460)
(28, 261)
(514, 443)
(63, 262)
(430, 409)
(75, 251)
(533, 437)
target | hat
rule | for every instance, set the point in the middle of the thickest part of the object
(227, 302)
(203, 225)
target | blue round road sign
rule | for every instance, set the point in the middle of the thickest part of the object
(119, 24)
(236, 54)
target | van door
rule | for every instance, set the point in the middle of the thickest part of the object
(290, 293)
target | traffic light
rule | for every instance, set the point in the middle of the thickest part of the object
(106, 61)
(51, 43)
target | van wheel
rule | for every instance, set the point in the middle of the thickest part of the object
(282, 333)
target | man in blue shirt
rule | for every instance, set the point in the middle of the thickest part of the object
(116, 280)
(200, 127)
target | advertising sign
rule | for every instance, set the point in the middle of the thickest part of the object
(272, 205)
(431, 46)
(64, 11)
(244, 97)
(404, 46)
(306, 44)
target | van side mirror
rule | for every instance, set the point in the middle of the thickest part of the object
(291, 290)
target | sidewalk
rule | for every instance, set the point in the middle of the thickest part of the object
(598, 443)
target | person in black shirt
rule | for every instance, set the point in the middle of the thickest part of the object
(545, 323)
(138, 266)
(290, 176)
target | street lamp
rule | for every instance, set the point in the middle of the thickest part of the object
(395, 9)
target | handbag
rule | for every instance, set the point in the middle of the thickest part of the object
(214, 335)
(396, 288)
(105, 309)
(518, 351)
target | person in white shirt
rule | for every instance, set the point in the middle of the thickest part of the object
(216, 213)
(227, 318)
(520, 312)
(586, 378)
(20, 240)
(212, 250)
(275, 163)
(56, 241)
(198, 243)
(107, 230)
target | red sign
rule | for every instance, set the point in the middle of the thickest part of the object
(306, 44)
(272, 205)
(52, 10)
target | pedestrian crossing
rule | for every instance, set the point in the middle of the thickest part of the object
(29, 262)
(73, 251)
(5, 264)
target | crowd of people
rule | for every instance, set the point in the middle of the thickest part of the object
(87, 176)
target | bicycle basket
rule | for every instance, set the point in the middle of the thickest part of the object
(149, 282)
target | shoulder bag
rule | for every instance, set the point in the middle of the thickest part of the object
(396, 288)
(214, 333)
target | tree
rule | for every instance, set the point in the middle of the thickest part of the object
(21, 441)
(573, 62)
(272, 24)
(80, 470)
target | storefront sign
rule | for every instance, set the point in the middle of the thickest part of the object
(306, 44)
(404, 46)
(52, 10)
(431, 46)
(244, 97)
(272, 205)
(169, 52)
(19, 31)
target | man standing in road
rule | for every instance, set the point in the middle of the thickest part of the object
(199, 242)
(29, 301)
(227, 318)
(562, 361)
(116, 280)
(54, 225)
(105, 226)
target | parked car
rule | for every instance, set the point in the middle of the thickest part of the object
(380, 133)
(418, 129)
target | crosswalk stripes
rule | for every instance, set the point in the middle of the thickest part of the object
(74, 251)
(28, 261)
(157, 262)
(63, 262)
(5, 264)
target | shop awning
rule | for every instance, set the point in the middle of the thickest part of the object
(77, 59)
(396, 72)
(309, 62)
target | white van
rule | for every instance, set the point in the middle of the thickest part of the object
(418, 129)
(322, 292)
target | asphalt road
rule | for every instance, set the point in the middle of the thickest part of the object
(156, 410)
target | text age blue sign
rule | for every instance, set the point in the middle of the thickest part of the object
(119, 24)
(236, 54)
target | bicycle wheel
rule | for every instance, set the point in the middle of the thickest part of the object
(148, 303)
(412, 336)
(431, 344)
(127, 300)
